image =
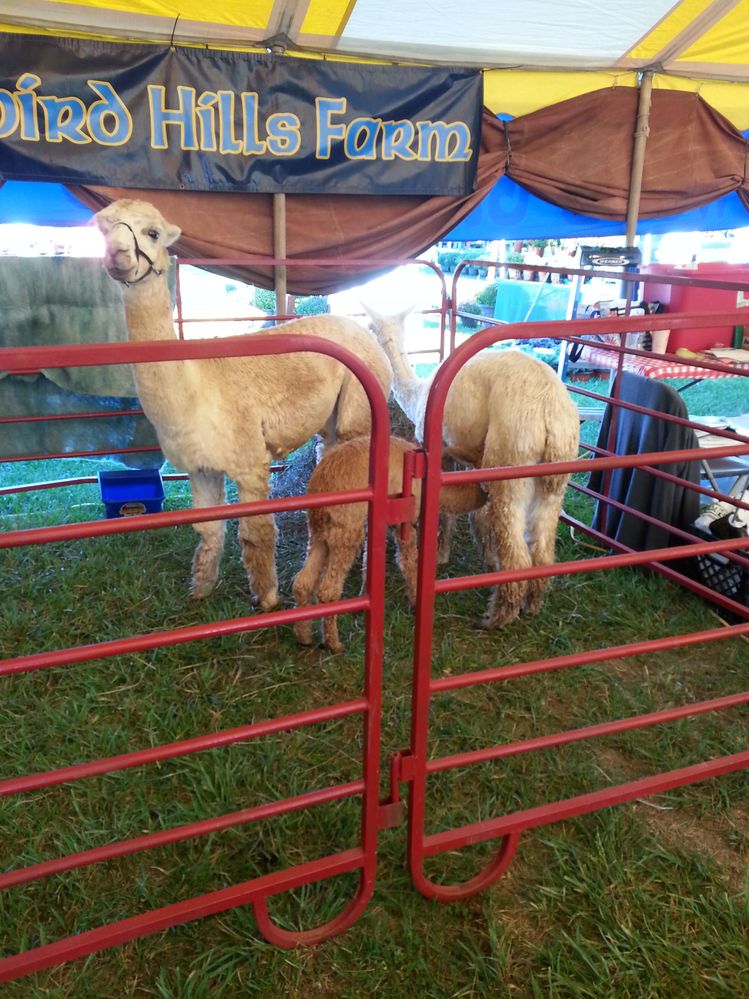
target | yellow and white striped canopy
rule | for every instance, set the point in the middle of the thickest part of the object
(534, 52)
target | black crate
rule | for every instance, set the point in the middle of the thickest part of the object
(721, 574)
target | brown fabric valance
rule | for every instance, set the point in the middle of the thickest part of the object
(576, 154)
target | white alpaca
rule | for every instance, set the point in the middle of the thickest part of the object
(231, 416)
(503, 408)
(336, 533)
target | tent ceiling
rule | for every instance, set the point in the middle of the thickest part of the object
(699, 38)
(534, 53)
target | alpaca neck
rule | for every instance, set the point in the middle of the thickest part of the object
(148, 310)
(408, 388)
(162, 387)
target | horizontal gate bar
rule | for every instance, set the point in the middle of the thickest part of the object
(83, 480)
(191, 633)
(124, 848)
(457, 583)
(677, 532)
(677, 480)
(588, 732)
(185, 747)
(585, 658)
(503, 472)
(674, 576)
(583, 804)
(98, 414)
(79, 454)
(227, 511)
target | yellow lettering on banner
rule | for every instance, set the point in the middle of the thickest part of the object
(109, 121)
(451, 143)
(361, 139)
(25, 87)
(397, 137)
(206, 114)
(227, 123)
(251, 122)
(183, 117)
(10, 113)
(327, 130)
(65, 118)
(284, 134)
(227, 140)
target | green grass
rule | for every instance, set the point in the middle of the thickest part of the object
(644, 900)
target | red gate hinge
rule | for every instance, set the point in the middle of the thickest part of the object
(402, 509)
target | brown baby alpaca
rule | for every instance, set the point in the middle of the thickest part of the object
(336, 533)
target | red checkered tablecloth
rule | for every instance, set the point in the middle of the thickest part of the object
(654, 367)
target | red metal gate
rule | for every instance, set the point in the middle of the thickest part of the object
(367, 706)
(412, 766)
(415, 765)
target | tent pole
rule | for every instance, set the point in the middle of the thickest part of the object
(642, 130)
(277, 48)
(279, 250)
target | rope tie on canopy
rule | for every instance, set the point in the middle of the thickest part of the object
(505, 126)
(174, 29)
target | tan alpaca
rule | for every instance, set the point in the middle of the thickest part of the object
(503, 408)
(336, 533)
(231, 416)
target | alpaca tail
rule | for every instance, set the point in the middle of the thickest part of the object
(562, 437)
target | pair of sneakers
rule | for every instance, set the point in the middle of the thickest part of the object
(724, 520)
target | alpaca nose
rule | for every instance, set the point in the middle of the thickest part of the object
(120, 256)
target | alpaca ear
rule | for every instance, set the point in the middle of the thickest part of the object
(400, 316)
(171, 234)
(373, 315)
(101, 219)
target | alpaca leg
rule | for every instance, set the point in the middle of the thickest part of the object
(542, 530)
(507, 506)
(408, 561)
(445, 537)
(257, 536)
(342, 549)
(207, 490)
(446, 520)
(306, 583)
(483, 537)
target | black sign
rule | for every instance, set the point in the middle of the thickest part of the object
(608, 256)
(85, 112)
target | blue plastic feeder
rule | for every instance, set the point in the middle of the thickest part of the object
(134, 491)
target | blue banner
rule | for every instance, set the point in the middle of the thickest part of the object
(142, 116)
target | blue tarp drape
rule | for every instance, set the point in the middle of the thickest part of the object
(508, 212)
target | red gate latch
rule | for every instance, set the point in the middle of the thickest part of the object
(402, 509)
(392, 810)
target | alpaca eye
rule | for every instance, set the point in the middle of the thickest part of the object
(153, 233)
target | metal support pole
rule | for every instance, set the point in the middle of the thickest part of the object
(279, 250)
(642, 130)
(279, 228)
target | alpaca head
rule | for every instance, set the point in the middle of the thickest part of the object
(136, 239)
(389, 330)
